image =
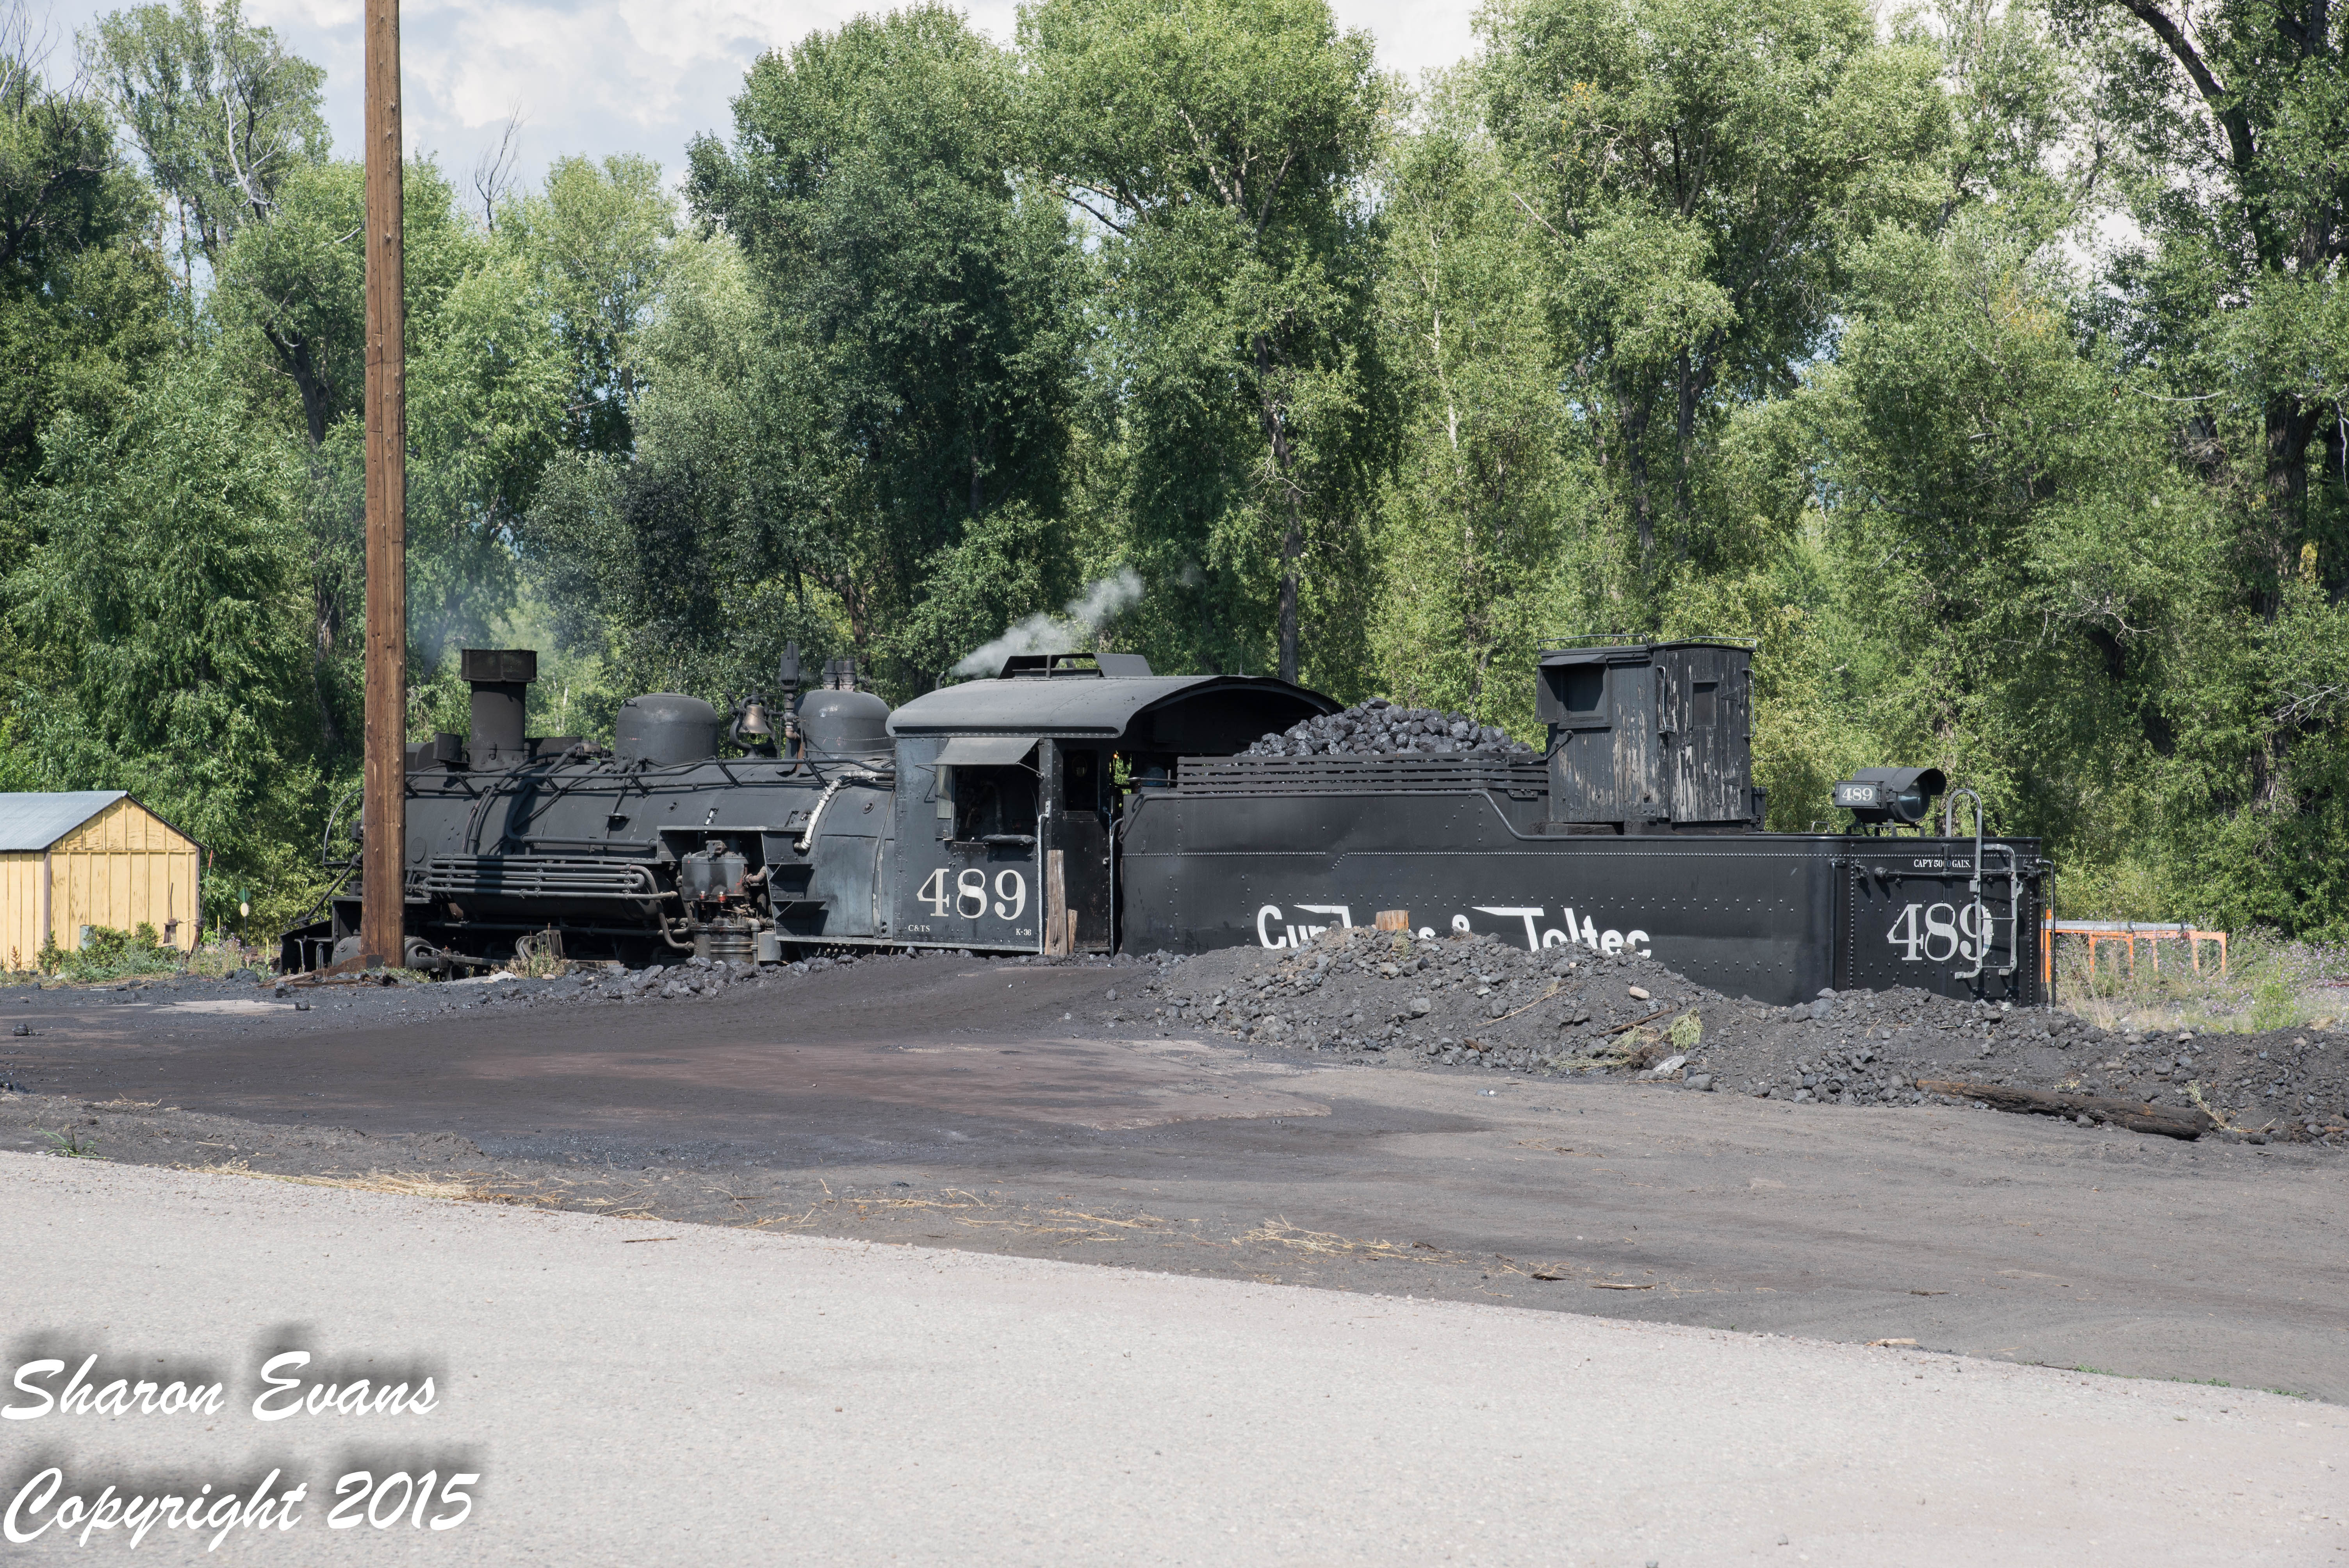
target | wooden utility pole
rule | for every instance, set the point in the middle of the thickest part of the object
(383, 917)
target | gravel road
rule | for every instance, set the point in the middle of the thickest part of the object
(650, 1393)
(989, 1107)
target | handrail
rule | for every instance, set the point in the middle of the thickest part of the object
(1983, 930)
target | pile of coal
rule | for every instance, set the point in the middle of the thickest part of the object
(1481, 1003)
(1451, 1001)
(1382, 729)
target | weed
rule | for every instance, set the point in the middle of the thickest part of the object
(219, 958)
(2269, 983)
(106, 953)
(539, 956)
(70, 1143)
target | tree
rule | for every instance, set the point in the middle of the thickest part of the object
(1220, 146)
(1488, 500)
(488, 390)
(596, 236)
(222, 115)
(919, 295)
(2233, 119)
(80, 294)
(294, 288)
(1701, 169)
(225, 120)
(2239, 117)
(169, 593)
(2024, 604)
(685, 564)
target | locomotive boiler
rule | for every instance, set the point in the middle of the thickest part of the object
(1081, 803)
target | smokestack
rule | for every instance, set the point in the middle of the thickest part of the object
(500, 680)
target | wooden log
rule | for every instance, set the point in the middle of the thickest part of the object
(2137, 1115)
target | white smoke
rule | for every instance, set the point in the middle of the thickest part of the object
(1060, 633)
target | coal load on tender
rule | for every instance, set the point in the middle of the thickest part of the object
(1382, 728)
(1081, 804)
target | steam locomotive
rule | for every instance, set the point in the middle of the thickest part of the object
(1079, 803)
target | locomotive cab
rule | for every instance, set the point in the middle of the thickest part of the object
(1009, 799)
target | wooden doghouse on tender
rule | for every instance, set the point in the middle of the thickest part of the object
(89, 858)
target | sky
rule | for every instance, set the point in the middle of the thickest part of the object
(599, 77)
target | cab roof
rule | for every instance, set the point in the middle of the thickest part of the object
(1103, 706)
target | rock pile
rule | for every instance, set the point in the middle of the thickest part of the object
(1380, 729)
(1482, 1003)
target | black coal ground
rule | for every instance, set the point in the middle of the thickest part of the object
(1479, 1004)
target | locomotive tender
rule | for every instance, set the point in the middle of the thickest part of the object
(1081, 804)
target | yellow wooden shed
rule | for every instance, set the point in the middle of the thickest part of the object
(91, 857)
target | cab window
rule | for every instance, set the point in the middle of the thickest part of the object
(991, 801)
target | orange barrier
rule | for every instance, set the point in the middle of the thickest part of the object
(2129, 934)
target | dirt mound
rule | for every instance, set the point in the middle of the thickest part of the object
(1482, 1003)
(1380, 729)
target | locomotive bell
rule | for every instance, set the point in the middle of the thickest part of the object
(754, 718)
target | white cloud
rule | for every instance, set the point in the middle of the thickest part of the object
(634, 76)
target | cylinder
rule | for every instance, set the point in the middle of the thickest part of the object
(498, 709)
(725, 942)
(500, 680)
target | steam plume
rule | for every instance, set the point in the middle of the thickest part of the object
(1043, 633)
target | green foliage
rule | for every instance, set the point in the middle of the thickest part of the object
(1701, 169)
(222, 114)
(1219, 147)
(292, 286)
(81, 293)
(1489, 497)
(1750, 317)
(918, 333)
(688, 567)
(111, 954)
(165, 598)
(598, 239)
(2027, 600)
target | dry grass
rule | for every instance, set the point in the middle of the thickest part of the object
(1279, 1232)
(465, 1187)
